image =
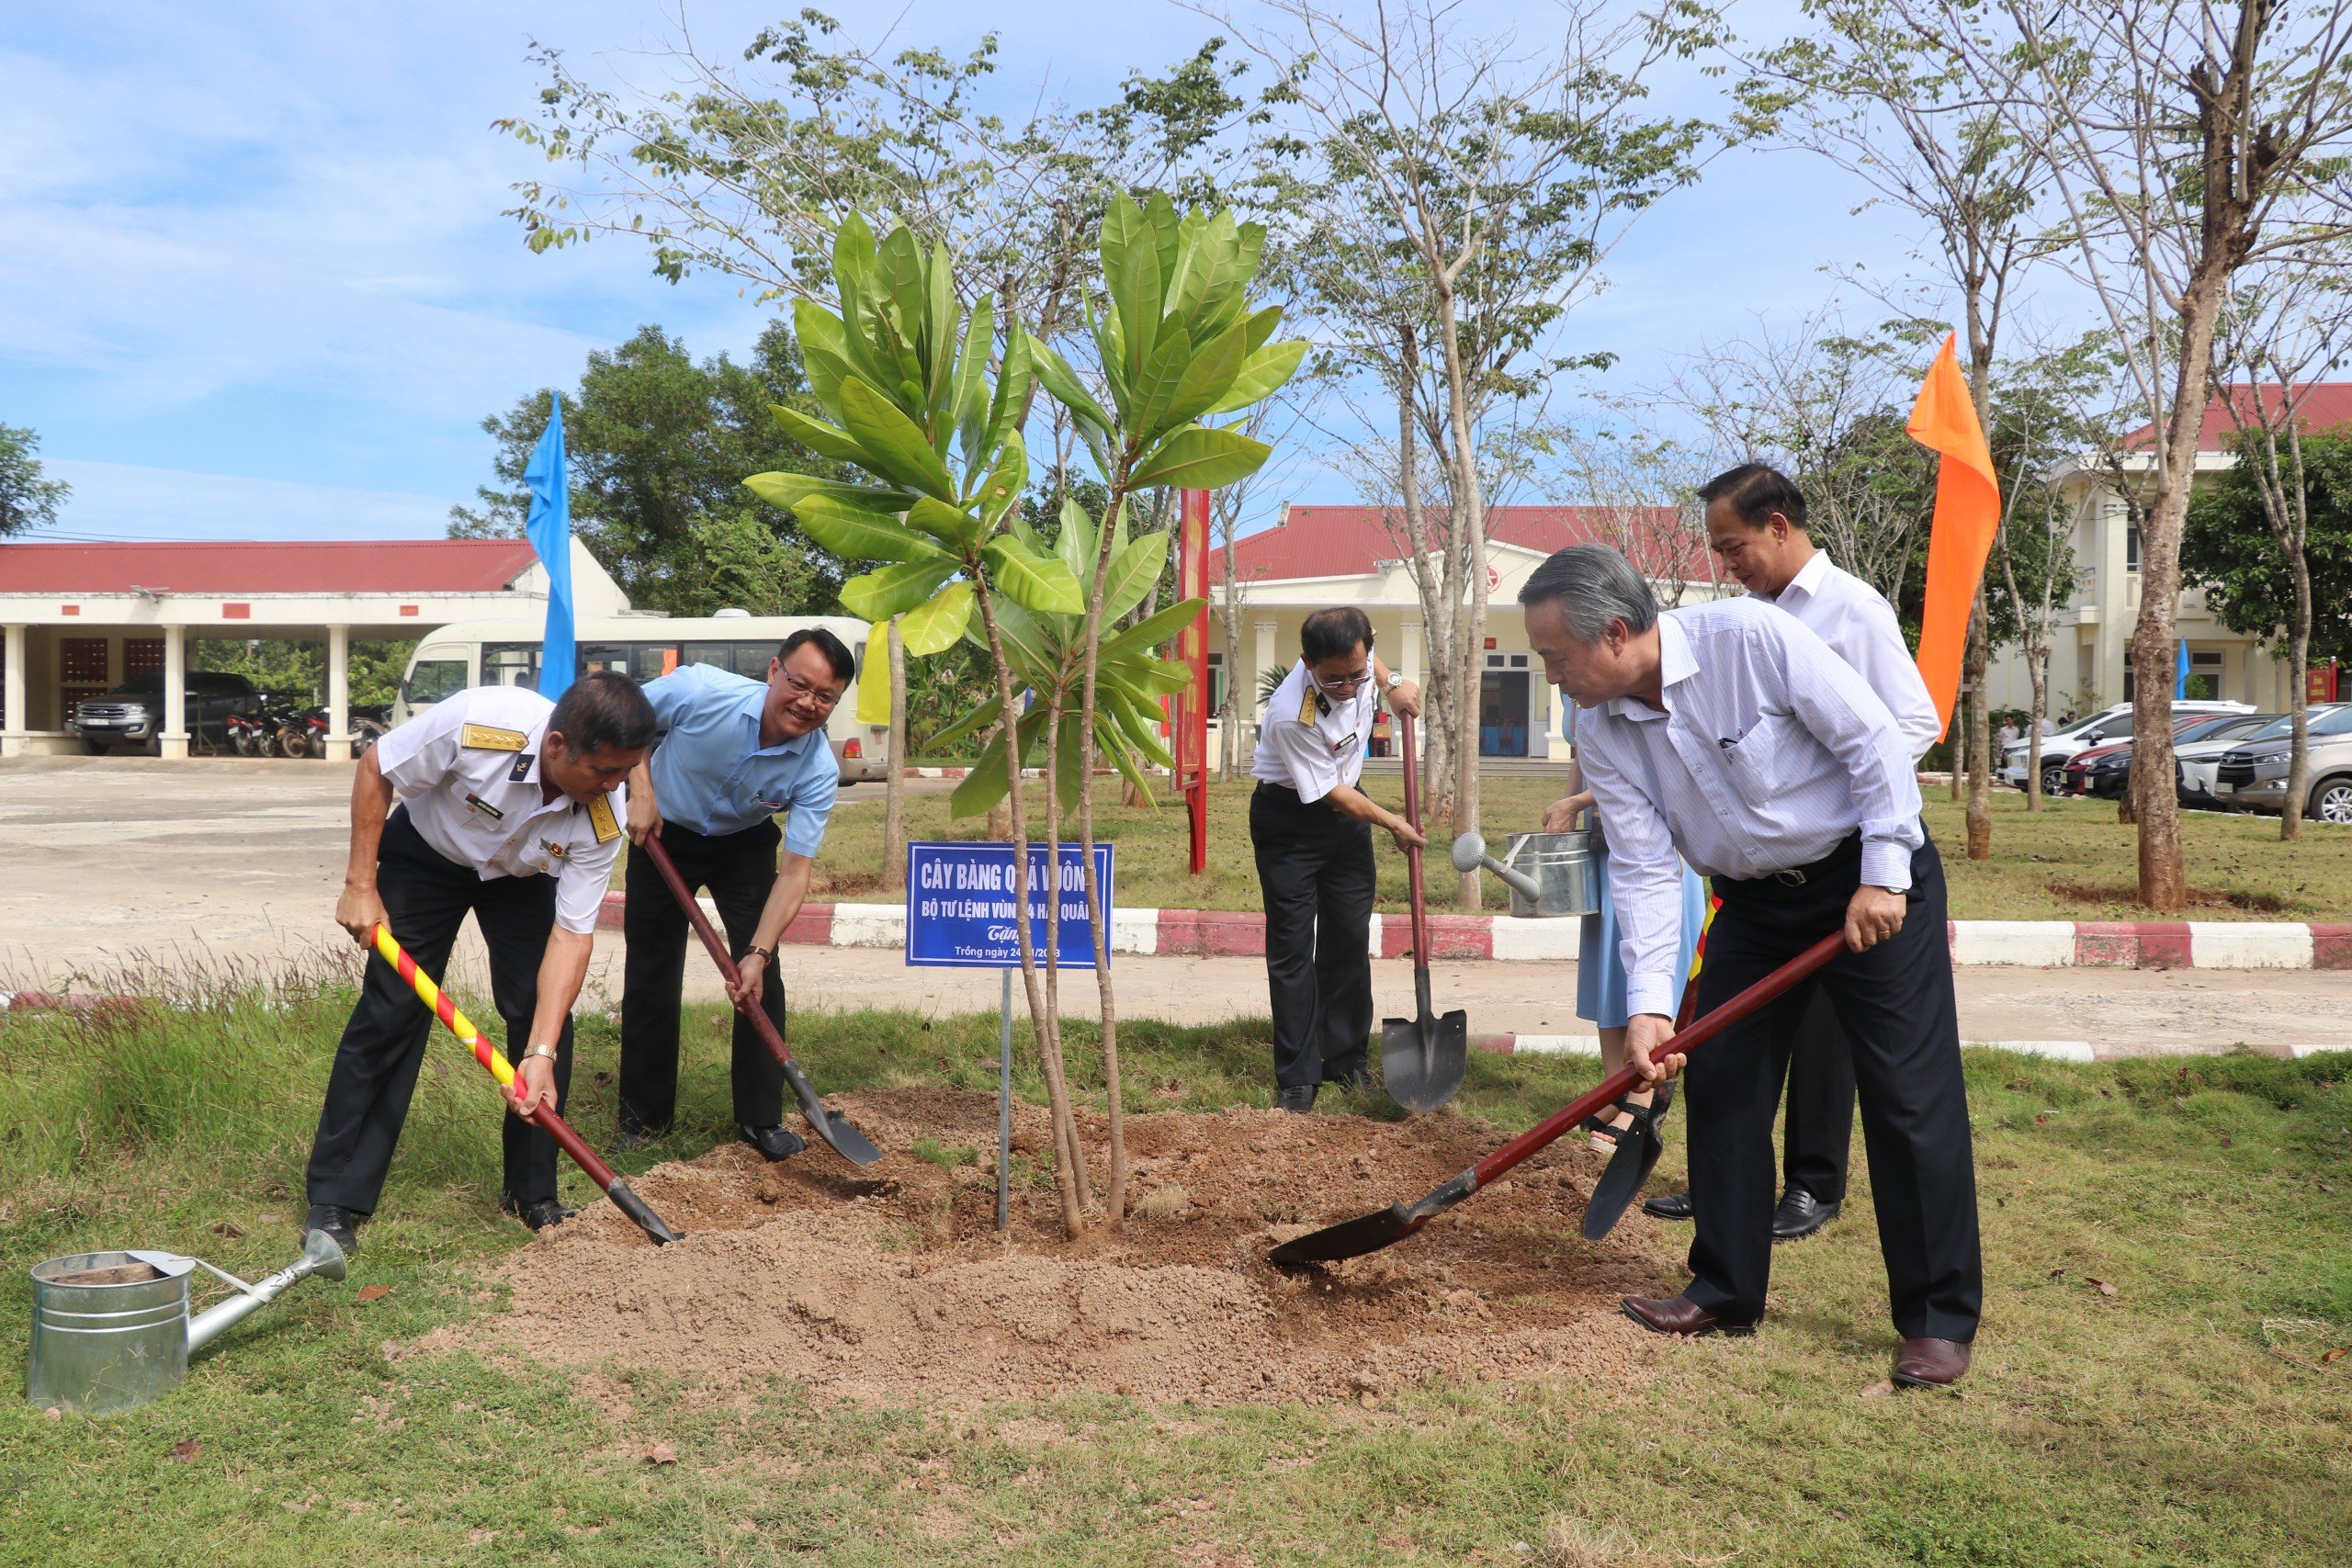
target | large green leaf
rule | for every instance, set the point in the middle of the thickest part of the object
(933, 627)
(1002, 489)
(988, 780)
(854, 534)
(972, 723)
(789, 490)
(942, 317)
(1015, 378)
(1075, 545)
(1035, 582)
(1158, 386)
(952, 526)
(894, 590)
(1152, 630)
(903, 290)
(1199, 457)
(1262, 324)
(818, 436)
(1137, 720)
(893, 445)
(1131, 270)
(1054, 372)
(1206, 380)
(1113, 745)
(1134, 571)
(1031, 646)
(970, 403)
(1262, 375)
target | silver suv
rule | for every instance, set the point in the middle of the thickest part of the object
(2253, 777)
(2100, 730)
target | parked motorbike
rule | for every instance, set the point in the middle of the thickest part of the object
(251, 734)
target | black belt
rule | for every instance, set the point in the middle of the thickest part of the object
(1847, 855)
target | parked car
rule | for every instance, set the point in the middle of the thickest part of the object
(2194, 762)
(2098, 730)
(132, 714)
(2106, 771)
(2253, 777)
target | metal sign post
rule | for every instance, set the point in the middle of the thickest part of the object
(959, 916)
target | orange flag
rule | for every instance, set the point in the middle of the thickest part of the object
(1968, 513)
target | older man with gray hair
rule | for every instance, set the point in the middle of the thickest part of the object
(1729, 734)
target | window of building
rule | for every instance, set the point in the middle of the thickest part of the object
(1217, 676)
(2131, 548)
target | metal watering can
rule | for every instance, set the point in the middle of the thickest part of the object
(112, 1330)
(1550, 874)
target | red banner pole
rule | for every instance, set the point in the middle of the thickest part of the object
(1192, 710)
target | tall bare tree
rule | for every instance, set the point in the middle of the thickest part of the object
(2185, 139)
(1480, 183)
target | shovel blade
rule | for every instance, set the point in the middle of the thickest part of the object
(1348, 1238)
(1621, 1181)
(845, 1139)
(1422, 1060)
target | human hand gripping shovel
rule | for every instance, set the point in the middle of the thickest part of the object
(1422, 1058)
(544, 1118)
(1386, 1228)
(846, 1140)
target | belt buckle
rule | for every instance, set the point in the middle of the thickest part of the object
(1793, 878)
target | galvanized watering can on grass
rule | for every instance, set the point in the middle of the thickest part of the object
(112, 1330)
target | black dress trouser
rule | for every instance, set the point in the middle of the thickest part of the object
(739, 870)
(1315, 871)
(1901, 1022)
(426, 897)
(1817, 1139)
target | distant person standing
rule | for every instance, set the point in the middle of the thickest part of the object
(1311, 829)
(732, 752)
(2009, 735)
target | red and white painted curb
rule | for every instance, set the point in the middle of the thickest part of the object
(2053, 1050)
(2043, 944)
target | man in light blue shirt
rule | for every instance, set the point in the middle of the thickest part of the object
(733, 753)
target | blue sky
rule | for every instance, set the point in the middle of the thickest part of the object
(254, 281)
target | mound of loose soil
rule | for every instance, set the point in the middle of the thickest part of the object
(895, 1281)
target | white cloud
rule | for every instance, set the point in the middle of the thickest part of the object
(125, 501)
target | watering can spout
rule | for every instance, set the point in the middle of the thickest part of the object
(321, 1256)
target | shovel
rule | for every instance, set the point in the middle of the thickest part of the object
(847, 1141)
(1422, 1058)
(1639, 1145)
(1386, 1228)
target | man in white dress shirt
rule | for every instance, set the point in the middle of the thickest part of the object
(1310, 827)
(1731, 735)
(1756, 524)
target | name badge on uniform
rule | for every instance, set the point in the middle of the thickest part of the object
(1345, 744)
(485, 808)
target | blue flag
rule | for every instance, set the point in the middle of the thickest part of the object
(2180, 674)
(550, 529)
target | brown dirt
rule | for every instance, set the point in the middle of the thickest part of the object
(895, 1281)
(2197, 898)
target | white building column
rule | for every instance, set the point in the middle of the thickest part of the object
(1263, 653)
(13, 725)
(173, 737)
(1409, 652)
(339, 694)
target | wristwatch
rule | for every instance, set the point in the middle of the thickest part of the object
(765, 954)
(1395, 678)
(547, 1051)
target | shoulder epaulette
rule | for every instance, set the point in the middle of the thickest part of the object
(490, 738)
(600, 816)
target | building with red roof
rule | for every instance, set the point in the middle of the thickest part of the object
(1319, 556)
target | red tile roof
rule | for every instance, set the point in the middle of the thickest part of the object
(1351, 541)
(389, 566)
(2325, 406)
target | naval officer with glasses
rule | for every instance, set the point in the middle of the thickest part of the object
(1311, 829)
(733, 752)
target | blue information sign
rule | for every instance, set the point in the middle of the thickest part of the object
(960, 902)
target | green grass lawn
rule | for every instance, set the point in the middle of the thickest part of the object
(2071, 861)
(2188, 1417)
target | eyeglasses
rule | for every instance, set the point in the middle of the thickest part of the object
(1345, 682)
(799, 691)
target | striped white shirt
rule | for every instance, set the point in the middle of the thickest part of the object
(1859, 627)
(1770, 751)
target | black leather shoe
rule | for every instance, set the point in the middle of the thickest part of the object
(775, 1143)
(1681, 1315)
(1298, 1099)
(537, 1216)
(634, 1137)
(1671, 1206)
(1358, 1079)
(1801, 1214)
(341, 1225)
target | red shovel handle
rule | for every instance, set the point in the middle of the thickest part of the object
(761, 1022)
(1681, 1043)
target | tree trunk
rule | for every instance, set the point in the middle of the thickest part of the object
(1957, 736)
(2038, 672)
(1049, 1051)
(1471, 515)
(2299, 664)
(894, 786)
(1980, 735)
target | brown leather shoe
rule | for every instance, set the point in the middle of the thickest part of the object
(1679, 1314)
(1930, 1364)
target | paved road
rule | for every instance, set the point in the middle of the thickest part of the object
(127, 865)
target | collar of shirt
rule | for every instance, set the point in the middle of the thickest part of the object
(1807, 580)
(1676, 662)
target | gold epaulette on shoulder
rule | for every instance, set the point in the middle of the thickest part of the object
(490, 738)
(600, 816)
(1306, 704)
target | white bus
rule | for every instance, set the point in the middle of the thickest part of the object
(506, 653)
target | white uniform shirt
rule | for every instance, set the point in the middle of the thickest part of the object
(1311, 741)
(1771, 750)
(469, 770)
(1859, 627)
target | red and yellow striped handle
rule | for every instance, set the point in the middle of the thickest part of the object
(444, 1008)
